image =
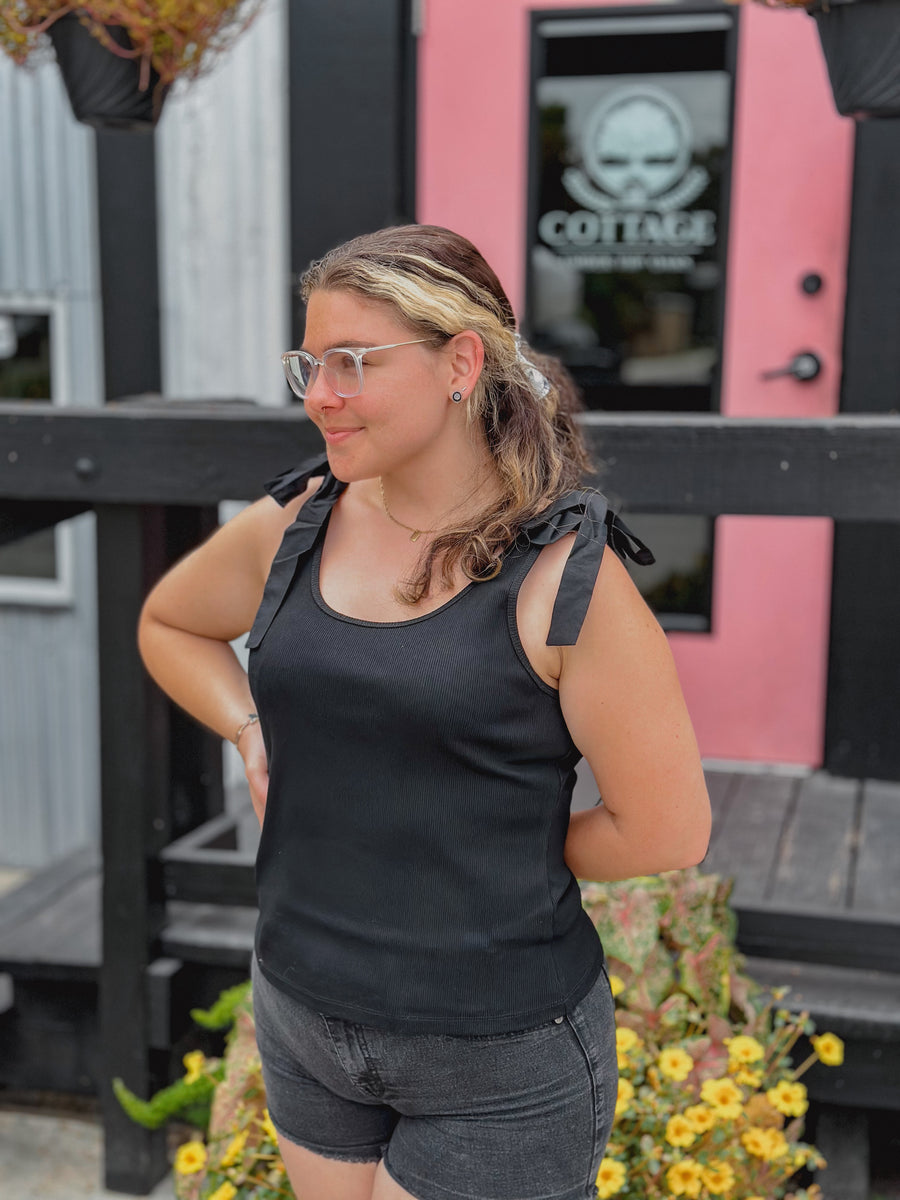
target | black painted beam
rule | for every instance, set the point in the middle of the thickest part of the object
(134, 826)
(129, 277)
(864, 653)
(351, 125)
(19, 518)
(871, 357)
(134, 720)
(846, 467)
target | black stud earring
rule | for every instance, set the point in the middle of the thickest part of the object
(456, 397)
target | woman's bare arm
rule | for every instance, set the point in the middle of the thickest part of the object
(205, 601)
(623, 705)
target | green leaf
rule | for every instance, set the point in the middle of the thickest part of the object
(705, 974)
(655, 981)
(223, 1012)
(627, 920)
(179, 1099)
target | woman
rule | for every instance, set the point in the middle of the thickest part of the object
(436, 639)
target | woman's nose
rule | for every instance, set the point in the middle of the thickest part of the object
(320, 395)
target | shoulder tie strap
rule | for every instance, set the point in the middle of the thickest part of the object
(587, 515)
(290, 483)
(299, 537)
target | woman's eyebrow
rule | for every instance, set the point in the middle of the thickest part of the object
(347, 343)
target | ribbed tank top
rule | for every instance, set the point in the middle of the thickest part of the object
(410, 872)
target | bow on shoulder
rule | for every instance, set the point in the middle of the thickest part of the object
(588, 516)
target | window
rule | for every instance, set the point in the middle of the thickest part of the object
(35, 569)
(629, 166)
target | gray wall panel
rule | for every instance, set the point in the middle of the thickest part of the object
(49, 782)
(224, 260)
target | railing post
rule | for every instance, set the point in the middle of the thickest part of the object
(134, 800)
(196, 786)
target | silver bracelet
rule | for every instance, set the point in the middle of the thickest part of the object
(252, 719)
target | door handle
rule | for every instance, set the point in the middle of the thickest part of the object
(804, 367)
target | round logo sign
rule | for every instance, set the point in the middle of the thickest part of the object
(636, 150)
(637, 144)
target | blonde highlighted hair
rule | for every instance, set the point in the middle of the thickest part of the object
(439, 285)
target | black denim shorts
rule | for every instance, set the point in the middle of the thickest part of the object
(514, 1116)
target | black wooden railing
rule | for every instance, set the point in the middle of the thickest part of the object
(152, 473)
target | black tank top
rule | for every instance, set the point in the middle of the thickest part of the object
(410, 870)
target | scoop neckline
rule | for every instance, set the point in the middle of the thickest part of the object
(339, 616)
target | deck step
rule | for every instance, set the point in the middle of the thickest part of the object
(50, 925)
(860, 1006)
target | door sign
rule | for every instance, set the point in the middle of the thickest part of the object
(635, 183)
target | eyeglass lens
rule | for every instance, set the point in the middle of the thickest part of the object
(342, 370)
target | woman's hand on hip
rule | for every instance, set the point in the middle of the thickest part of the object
(256, 767)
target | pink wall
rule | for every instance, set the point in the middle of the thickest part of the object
(756, 685)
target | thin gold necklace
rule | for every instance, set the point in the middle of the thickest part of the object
(414, 534)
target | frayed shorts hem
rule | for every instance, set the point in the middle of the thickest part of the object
(426, 1189)
(336, 1155)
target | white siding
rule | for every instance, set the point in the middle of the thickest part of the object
(223, 184)
(48, 692)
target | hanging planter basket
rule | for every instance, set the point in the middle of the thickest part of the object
(104, 87)
(861, 42)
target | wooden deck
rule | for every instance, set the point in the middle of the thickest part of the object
(814, 859)
(817, 895)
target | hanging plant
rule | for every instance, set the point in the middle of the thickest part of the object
(119, 57)
(861, 43)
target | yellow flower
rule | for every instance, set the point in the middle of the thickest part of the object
(190, 1158)
(789, 1098)
(675, 1063)
(778, 1146)
(624, 1097)
(616, 985)
(610, 1178)
(193, 1065)
(744, 1049)
(267, 1127)
(626, 1040)
(679, 1131)
(225, 1191)
(235, 1149)
(718, 1177)
(755, 1141)
(748, 1077)
(700, 1118)
(829, 1048)
(724, 1096)
(767, 1144)
(684, 1178)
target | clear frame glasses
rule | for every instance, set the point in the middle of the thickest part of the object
(343, 367)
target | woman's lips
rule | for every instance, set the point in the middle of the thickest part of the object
(335, 436)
